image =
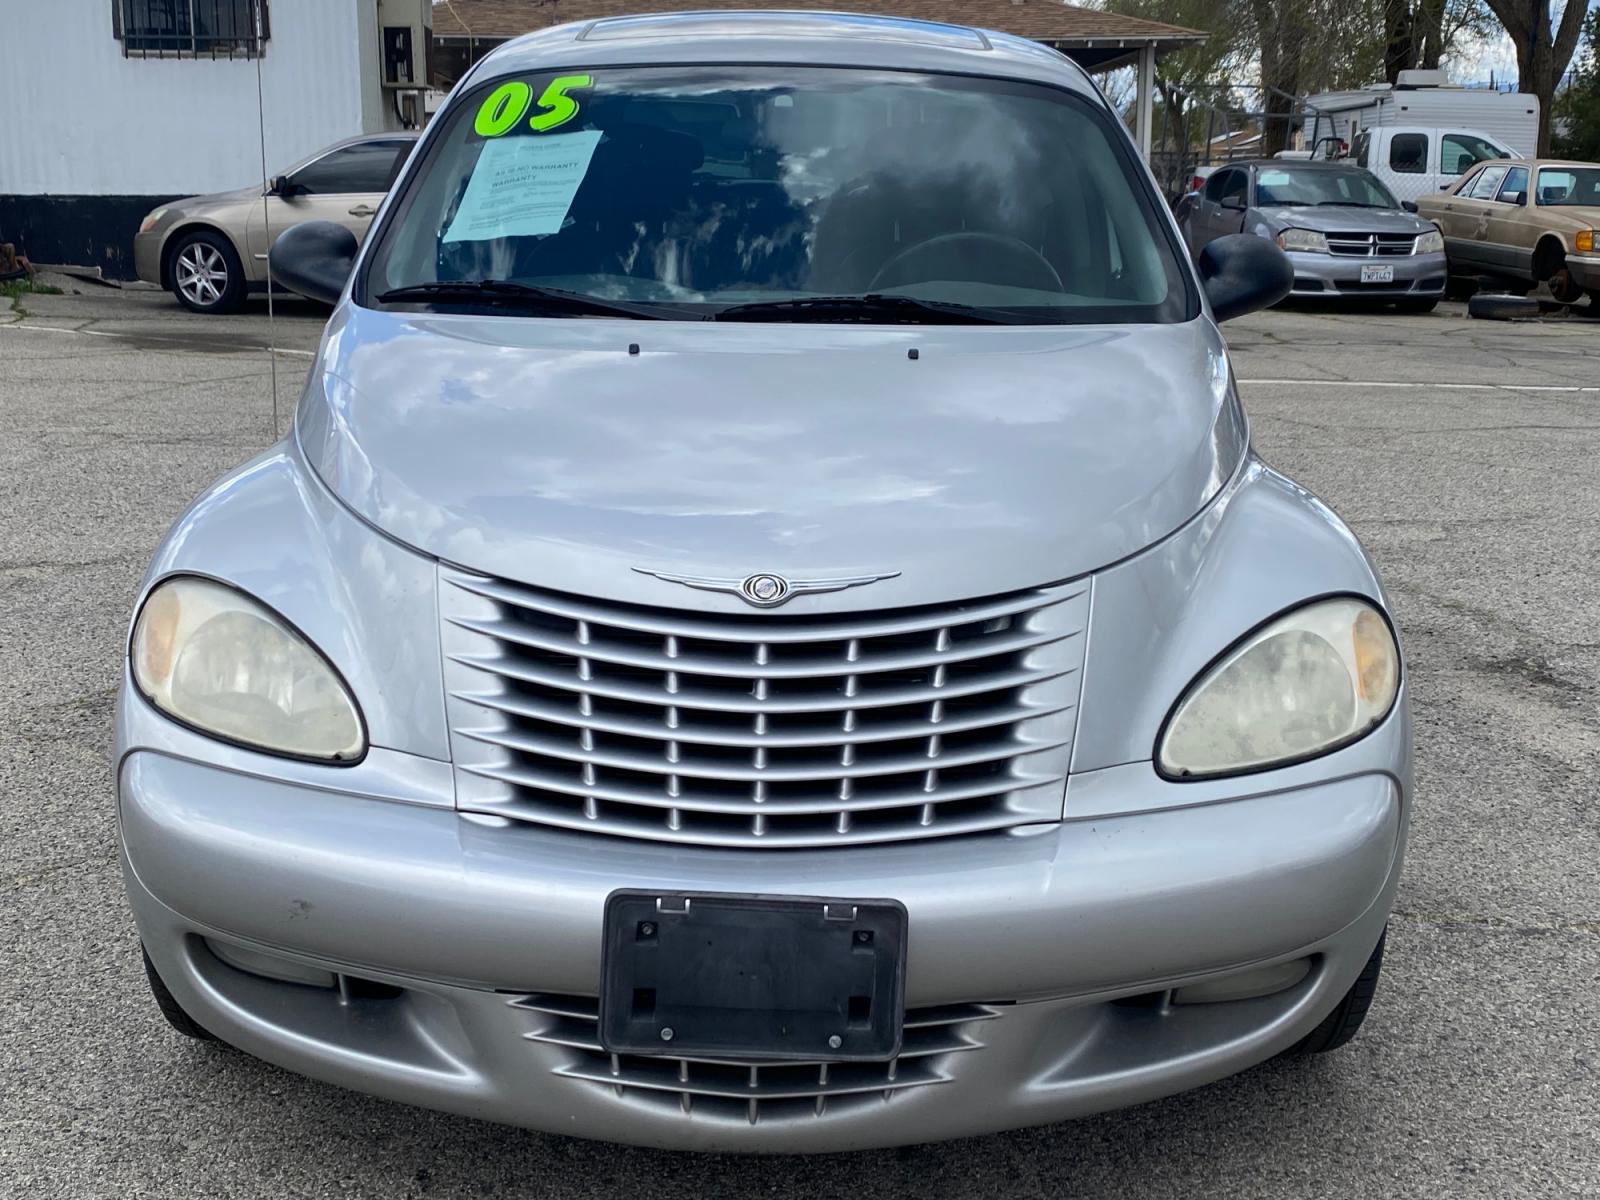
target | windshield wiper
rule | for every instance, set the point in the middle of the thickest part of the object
(874, 306)
(507, 293)
(1348, 204)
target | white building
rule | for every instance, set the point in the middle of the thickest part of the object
(113, 106)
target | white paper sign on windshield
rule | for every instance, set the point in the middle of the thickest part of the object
(522, 186)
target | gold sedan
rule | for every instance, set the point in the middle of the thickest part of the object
(1526, 221)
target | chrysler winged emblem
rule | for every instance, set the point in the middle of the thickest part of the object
(766, 590)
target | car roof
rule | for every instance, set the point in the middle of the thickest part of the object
(821, 39)
(1308, 164)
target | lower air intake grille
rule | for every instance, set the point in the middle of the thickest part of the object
(761, 729)
(755, 1091)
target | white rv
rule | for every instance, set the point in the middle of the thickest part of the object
(1423, 133)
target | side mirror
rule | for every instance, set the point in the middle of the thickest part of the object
(284, 187)
(1517, 198)
(1233, 206)
(1409, 205)
(1242, 273)
(314, 258)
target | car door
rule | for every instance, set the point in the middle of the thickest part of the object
(345, 186)
(1506, 229)
(1233, 196)
(1471, 211)
(1204, 216)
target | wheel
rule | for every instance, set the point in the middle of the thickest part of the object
(1420, 305)
(1500, 306)
(169, 1006)
(206, 275)
(1339, 1026)
(1550, 268)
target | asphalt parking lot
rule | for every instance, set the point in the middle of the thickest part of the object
(1466, 455)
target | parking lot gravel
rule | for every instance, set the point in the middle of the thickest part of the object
(1465, 454)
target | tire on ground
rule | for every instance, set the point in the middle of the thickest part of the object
(1339, 1026)
(1501, 306)
(169, 1006)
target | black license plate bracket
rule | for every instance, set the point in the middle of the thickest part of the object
(780, 978)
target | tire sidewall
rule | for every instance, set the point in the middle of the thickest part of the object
(233, 292)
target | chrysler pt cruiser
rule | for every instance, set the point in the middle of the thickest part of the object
(767, 632)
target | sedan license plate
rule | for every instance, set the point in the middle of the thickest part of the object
(1377, 274)
(753, 977)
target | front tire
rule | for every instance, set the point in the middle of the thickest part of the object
(169, 1006)
(206, 274)
(1342, 1024)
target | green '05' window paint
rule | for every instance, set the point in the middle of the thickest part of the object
(504, 107)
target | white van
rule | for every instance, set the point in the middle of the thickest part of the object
(1415, 160)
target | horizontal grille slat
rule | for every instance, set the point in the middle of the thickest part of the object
(739, 702)
(693, 726)
(691, 767)
(773, 837)
(690, 623)
(691, 664)
(749, 1090)
(943, 793)
(688, 734)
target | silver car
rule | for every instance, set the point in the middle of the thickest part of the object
(1345, 233)
(767, 632)
(210, 252)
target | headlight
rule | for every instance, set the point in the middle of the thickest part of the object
(1306, 241)
(149, 223)
(215, 659)
(1308, 682)
(1430, 243)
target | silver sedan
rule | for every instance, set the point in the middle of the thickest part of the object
(767, 633)
(1346, 234)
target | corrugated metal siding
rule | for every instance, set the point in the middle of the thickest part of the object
(82, 120)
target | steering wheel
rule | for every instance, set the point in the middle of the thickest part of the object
(973, 256)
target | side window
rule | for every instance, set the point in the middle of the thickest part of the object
(1408, 153)
(1516, 184)
(1363, 148)
(1488, 183)
(1214, 185)
(364, 167)
(1555, 186)
(1235, 187)
(1460, 152)
(1465, 188)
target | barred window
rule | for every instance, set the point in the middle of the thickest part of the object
(190, 28)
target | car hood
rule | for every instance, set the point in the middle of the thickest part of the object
(550, 452)
(190, 204)
(1327, 218)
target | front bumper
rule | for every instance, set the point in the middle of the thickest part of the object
(1334, 275)
(483, 938)
(147, 256)
(1585, 270)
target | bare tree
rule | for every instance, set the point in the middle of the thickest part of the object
(1544, 48)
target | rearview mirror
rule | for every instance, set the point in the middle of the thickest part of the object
(1243, 273)
(314, 258)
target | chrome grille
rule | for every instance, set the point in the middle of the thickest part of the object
(763, 729)
(751, 1091)
(1371, 245)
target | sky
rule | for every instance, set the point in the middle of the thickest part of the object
(1495, 56)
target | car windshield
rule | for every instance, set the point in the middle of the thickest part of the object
(1288, 185)
(793, 193)
(1569, 186)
